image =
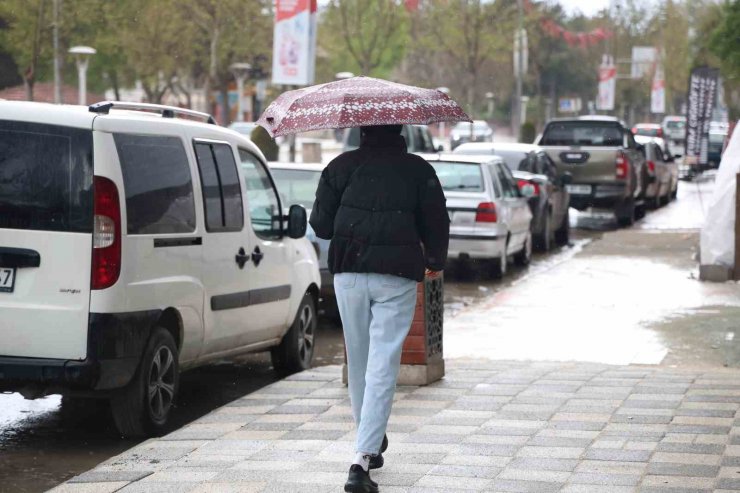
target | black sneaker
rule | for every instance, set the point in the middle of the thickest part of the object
(359, 481)
(377, 461)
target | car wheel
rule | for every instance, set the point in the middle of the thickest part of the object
(524, 256)
(143, 406)
(499, 266)
(295, 351)
(542, 240)
(674, 194)
(626, 213)
(562, 234)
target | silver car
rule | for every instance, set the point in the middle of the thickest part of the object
(296, 183)
(490, 217)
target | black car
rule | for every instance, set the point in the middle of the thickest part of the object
(531, 165)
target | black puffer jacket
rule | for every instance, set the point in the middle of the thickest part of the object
(384, 210)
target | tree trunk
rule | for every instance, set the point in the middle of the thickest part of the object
(29, 76)
(226, 118)
(212, 70)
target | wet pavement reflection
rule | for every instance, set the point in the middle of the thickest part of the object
(614, 296)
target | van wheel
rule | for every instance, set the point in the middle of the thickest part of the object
(562, 234)
(143, 406)
(524, 256)
(295, 351)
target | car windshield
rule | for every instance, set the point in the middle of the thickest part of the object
(296, 186)
(676, 125)
(466, 177)
(478, 127)
(647, 131)
(585, 133)
(514, 160)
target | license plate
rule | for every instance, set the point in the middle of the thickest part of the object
(579, 189)
(7, 279)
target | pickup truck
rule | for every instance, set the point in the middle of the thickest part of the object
(606, 164)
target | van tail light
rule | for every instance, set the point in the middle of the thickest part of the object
(486, 213)
(651, 167)
(622, 169)
(522, 183)
(106, 255)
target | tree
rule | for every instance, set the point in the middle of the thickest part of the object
(25, 37)
(673, 42)
(367, 37)
(724, 43)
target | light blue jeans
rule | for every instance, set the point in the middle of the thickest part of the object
(376, 311)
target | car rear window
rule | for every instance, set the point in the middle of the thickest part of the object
(159, 190)
(46, 174)
(296, 186)
(454, 176)
(517, 160)
(597, 134)
(647, 132)
(675, 125)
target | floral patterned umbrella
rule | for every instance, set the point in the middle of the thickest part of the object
(356, 102)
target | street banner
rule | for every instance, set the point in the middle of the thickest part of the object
(607, 84)
(294, 45)
(657, 92)
(701, 102)
(644, 59)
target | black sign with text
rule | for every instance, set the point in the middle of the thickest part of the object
(701, 102)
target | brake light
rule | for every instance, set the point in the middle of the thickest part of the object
(522, 183)
(106, 255)
(660, 132)
(634, 130)
(622, 169)
(651, 167)
(486, 213)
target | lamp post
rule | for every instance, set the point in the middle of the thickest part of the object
(442, 129)
(82, 55)
(489, 98)
(241, 72)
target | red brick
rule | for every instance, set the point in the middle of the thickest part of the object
(414, 358)
(414, 343)
(418, 329)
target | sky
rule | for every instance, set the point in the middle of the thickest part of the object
(587, 7)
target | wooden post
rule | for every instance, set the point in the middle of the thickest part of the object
(736, 268)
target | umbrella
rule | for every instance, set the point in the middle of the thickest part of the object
(357, 102)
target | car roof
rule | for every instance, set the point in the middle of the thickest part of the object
(296, 166)
(648, 125)
(461, 158)
(503, 146)
(644, 139)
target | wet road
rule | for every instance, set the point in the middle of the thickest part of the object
(555, 303)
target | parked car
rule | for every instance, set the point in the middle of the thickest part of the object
(418, 139)
(662, 171)
(132, 248)
(478, 131)
(530, 164)
(296, 184)
(244, 128)
(674, 131)
(606, 162)
(489, 215)
(648, 130)
(717, 137)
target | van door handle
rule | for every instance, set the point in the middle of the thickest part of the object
(241, 258)
(19, 257)
(257, 256)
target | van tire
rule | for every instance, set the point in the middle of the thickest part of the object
(134, 413)
(295, 351)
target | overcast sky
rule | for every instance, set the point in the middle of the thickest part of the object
(588, 7)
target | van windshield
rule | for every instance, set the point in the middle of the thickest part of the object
(464, 177)
(46, 175)
(583, 133)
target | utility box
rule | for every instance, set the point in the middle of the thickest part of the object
(422, 360)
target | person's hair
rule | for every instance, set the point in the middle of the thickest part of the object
(382, 130)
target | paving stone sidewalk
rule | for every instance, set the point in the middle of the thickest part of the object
(487, 426)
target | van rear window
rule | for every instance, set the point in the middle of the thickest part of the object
(46, 175)
(583, 133)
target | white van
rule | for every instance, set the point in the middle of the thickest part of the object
(135, 243)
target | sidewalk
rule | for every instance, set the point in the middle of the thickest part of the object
(488, 426)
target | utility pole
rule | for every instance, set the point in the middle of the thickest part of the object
(518, 44)
(57, 60)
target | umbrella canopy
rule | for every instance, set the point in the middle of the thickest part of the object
(357, 102)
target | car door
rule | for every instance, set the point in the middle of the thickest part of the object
(558, 196)
(225, 245)
(271, 258)
(518, 213)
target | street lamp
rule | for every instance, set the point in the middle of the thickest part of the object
(442, 129)
(489, 97)
(241, 72)
(82, 55)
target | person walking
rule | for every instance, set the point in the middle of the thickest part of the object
(384, 211)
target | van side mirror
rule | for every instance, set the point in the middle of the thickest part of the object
(297, 222)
